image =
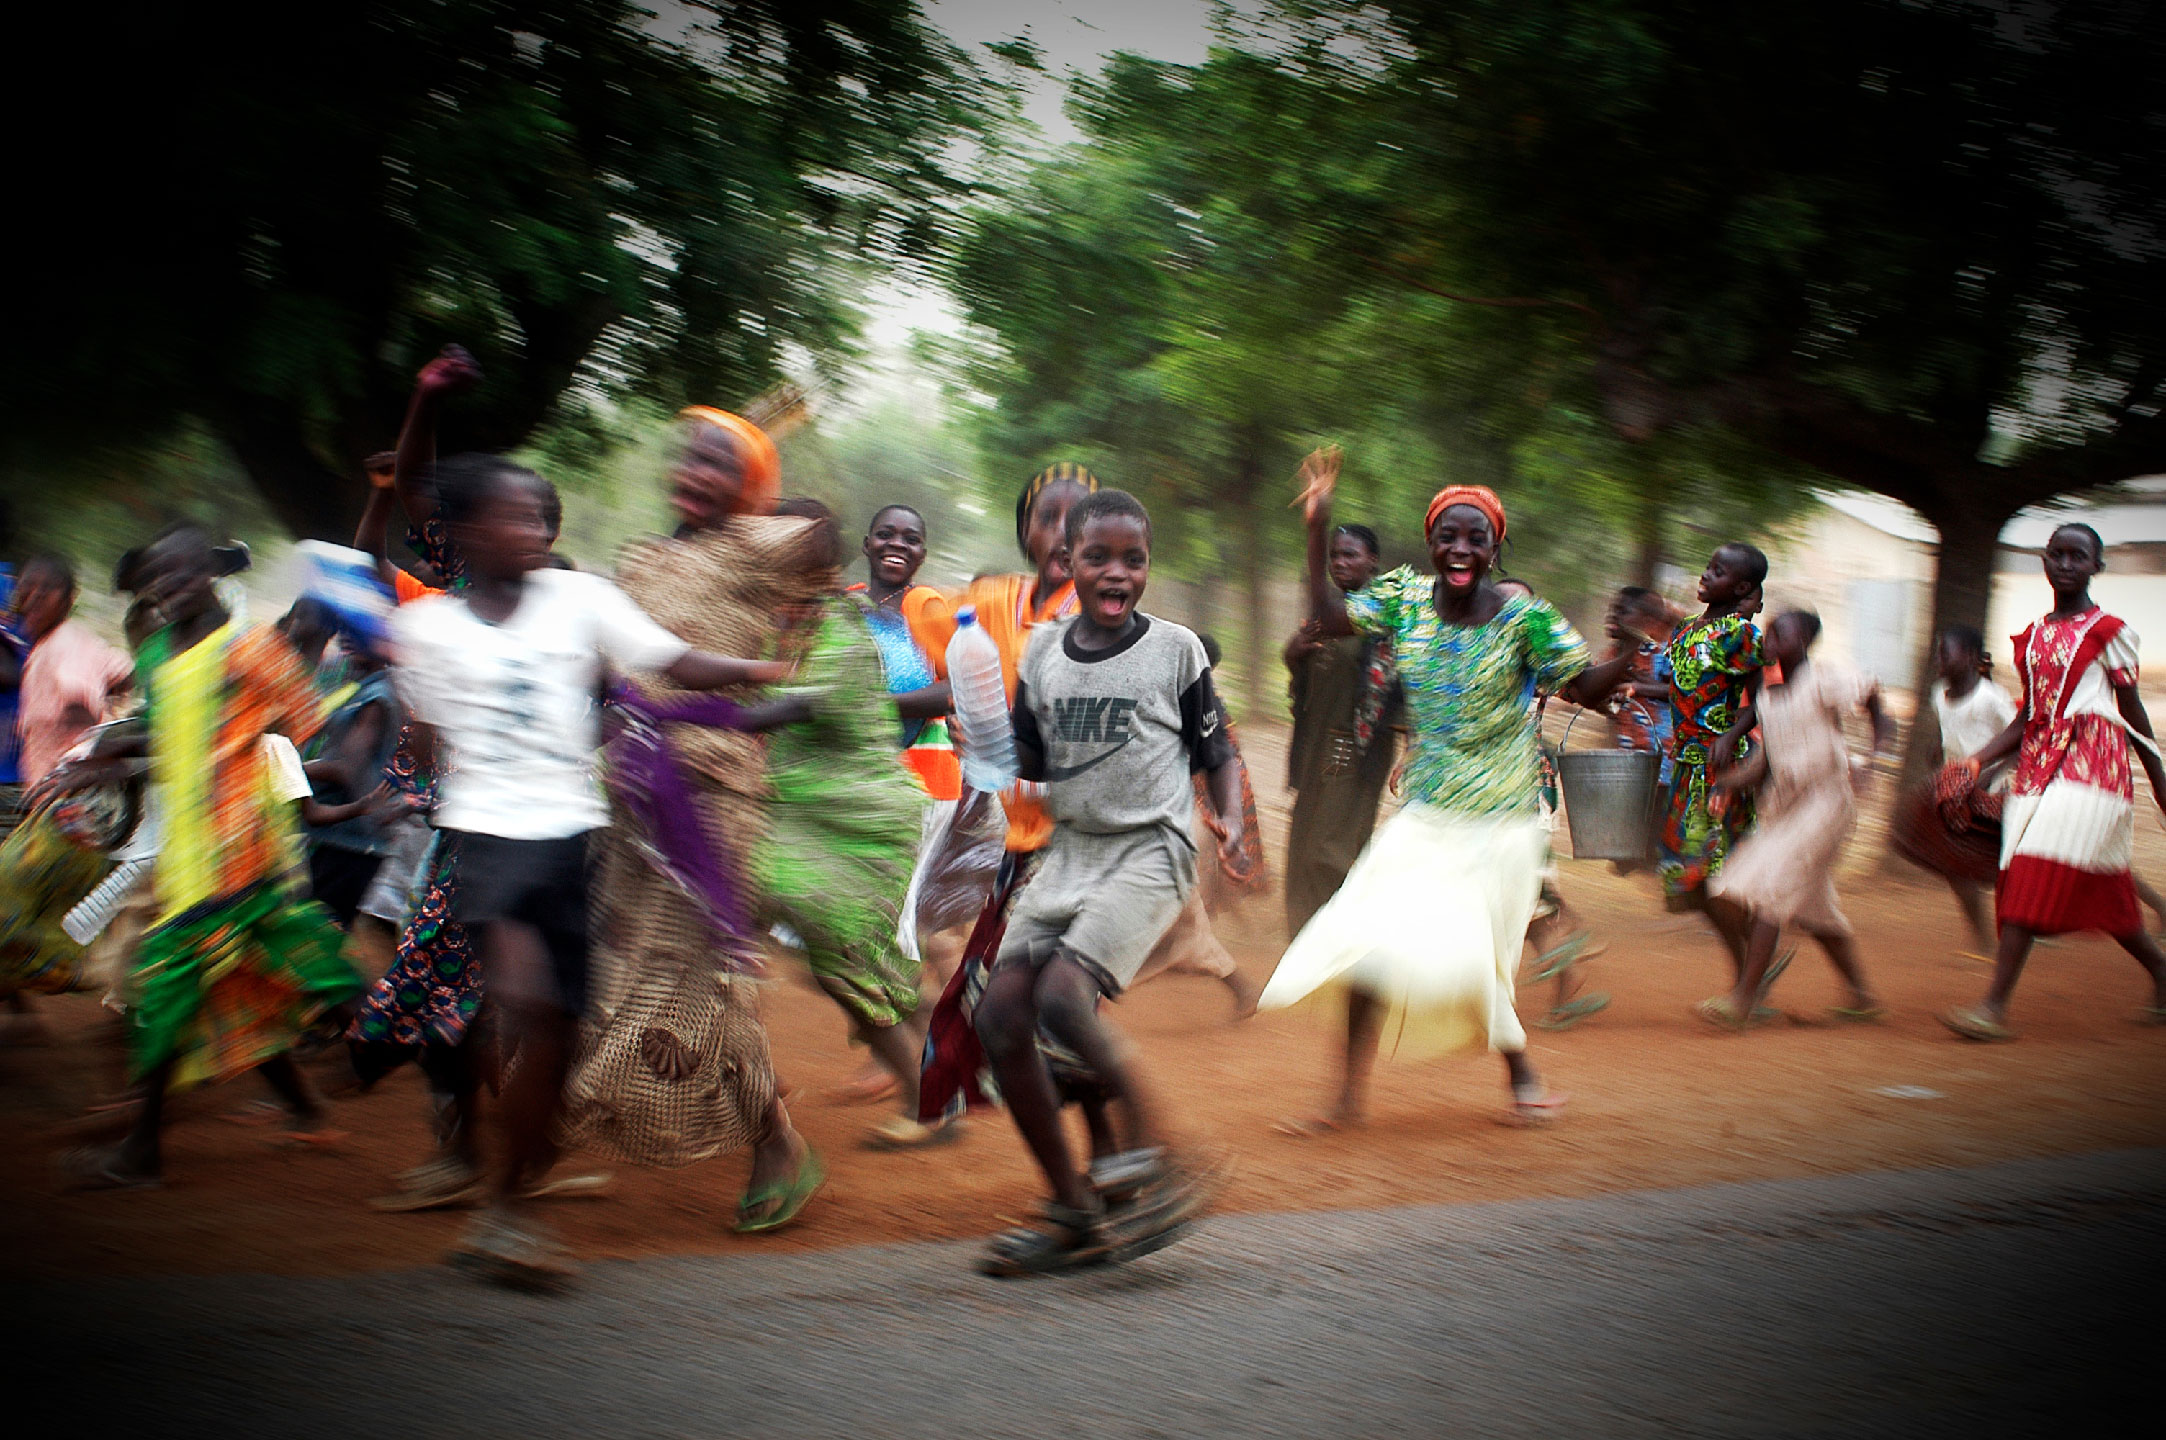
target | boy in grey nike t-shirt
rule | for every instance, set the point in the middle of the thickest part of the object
(1113, 712)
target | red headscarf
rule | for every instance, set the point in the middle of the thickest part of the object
(756, 453)
(1481, 497)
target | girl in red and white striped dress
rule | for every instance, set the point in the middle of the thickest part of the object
(2068, 833)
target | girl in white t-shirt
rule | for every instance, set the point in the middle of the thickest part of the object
(1951, 825)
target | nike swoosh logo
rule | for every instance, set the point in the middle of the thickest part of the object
(1069, 772)
(1210, 725)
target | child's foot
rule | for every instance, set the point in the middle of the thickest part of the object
(900, 1132)
(1534, 1104)
(1864, 1009)
(589, 1186)
(108, 1168)
(1723, 1012)
(1976, 1022)
(442, 1184)
(1311, 1127)
(1164, 1205)
(1569, 1013)
(1071, 1239)
(513, 1251)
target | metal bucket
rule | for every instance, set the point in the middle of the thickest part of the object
(1609, 800)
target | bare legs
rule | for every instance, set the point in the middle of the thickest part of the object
(1062, 996)
(1970, 895)
(2015, 949)
(1842, 952)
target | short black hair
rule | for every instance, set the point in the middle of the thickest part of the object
(1106, 504)
(465, 483)
(1755, 559)
(2098, 546)
(1809, 619)
(51, 564)
(1365, 535)
(1968, 638)
(1211, 652)
(910, 510)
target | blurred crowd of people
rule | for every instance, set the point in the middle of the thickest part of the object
(541, 832)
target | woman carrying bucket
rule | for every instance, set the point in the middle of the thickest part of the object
(1423, 939)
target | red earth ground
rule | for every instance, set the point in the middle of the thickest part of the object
(1659, 1100)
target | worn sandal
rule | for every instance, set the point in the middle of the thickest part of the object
(101, 1169)
(1166, 1205)
(1074, 1239)
(1559, 958)
(1972, 1023)
(1717, 1011)
(1571, 1012)
(1537, 1105)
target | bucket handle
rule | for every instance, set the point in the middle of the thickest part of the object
(1565, 740)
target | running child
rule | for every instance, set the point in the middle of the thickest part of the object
(1952, 824)
(2069, 828)
(500, 678)
(1715, 661)
(1113, 709)
(1783, 873)
(238, 963)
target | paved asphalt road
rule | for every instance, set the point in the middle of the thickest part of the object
(2005, 1300)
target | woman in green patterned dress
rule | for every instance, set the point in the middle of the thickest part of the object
(1714, 664)
(1423, 939)
(842, 836)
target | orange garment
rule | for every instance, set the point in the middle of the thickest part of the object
(407, 589)
(756, 454)
(930, 615)
(1007, 607)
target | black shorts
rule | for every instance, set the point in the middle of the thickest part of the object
(339, 878)
(541, 884)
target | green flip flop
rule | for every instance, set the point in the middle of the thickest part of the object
(794, 1194)
(1571, 1012)
(1559, 957)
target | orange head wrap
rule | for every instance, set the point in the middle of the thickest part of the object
(1481, 497)
(756, 456)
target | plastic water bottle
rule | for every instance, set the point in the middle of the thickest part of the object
(981, 706)
(345, 583)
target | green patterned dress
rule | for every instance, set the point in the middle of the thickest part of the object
(1712, 664)
(843, 826)
(1469, 690)
(1431, 920)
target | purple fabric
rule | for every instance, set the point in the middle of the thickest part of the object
(646, 776)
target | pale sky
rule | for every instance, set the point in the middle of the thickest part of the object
(1072, 36)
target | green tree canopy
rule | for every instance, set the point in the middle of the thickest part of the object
(1911, 244)
(265, 221)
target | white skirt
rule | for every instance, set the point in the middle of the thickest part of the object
(1430, 921)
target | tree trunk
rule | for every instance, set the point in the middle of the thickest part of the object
(1962, 591)
(1256, 563)
(1647, 534)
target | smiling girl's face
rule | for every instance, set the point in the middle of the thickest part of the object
(1462, 547)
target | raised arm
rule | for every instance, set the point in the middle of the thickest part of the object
(448, 374)
(1319, 476)
(369, 536)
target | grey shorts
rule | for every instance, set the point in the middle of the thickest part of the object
(1106, 898)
